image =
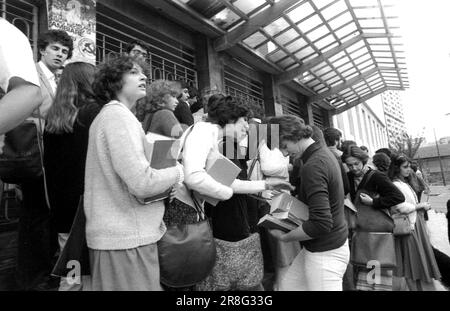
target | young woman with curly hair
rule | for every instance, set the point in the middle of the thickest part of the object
(414, 253)
(65, 143)
(121, 233)
(162, 97)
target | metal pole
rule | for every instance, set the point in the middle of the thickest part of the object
(439, 156)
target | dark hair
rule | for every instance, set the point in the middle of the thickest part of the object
(364, 148)
(317, 135)
(58, 36)
(355, 152)
(396, 162)
(381, 161)
(257, 110)
(347, 143)
(414, 166)
(386, 151)
(223, 109)
(109, 77)
(74, 89)
(290, 128)
(331, 135)
(133, 43)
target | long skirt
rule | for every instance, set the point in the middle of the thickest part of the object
(415, 257)
(135, 269)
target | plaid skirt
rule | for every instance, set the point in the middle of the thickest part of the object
(365, 282)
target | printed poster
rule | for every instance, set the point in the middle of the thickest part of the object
(77, 18)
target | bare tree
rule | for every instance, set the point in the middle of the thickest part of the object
(407, 145)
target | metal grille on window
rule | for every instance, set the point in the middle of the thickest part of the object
(24, 16)
(243, 87)
(290, 107)
(319, 117)
(168, 58)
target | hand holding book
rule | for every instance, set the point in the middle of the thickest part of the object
(278, 184)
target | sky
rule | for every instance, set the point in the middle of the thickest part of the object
(425, 28)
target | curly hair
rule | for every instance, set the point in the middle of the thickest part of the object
(225, 109)
(355, 152)
(108, 80)
(58, 36)
(158, 91)
(74, 89)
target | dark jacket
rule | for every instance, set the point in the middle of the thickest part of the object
(322, 190)
(184, 114)
(64, 162)
(379, 183)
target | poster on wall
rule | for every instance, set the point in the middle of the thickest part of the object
(77, 18)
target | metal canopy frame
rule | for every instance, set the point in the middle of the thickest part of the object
(342, 51)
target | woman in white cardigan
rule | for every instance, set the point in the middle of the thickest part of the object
(121, 233)
(415, 258)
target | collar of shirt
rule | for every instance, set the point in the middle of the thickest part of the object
(48, 75)
(310, 150)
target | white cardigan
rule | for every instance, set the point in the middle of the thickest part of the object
(409, 206)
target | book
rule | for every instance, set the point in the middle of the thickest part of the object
(270, 222)
(350, 205)
(162, 152)
(223, 171)
(286, 213)
(285, 206)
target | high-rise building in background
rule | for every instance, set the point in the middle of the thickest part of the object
(394, 115)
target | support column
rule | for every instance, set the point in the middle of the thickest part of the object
(271, 93)
(209, 67)
(310, 114)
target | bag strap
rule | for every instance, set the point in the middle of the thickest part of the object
(368, 178)
(252, 166)
(40, 140)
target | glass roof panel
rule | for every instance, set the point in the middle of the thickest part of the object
(300, 12)
(382, 54)
(371, 22)
(329, 76)
(255, 39)
(341, 61)
(297, 45)
(359, 52)
(341, 20)
(286, 62)
(287, 36)
(334, 10)
(321, 3)
(225, 18)
(318, 33)
(248, 6)
(346, 30)
(324, 42)
(321, 71)
(276, 27)
(305, 52)
(312, 56)
(277, 56)
(329, 47)
(310, 23)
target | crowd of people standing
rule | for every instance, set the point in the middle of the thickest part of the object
(95, 121)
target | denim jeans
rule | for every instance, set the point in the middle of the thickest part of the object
(319, 271)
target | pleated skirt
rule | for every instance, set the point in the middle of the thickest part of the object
(135, 269)
(415, 257)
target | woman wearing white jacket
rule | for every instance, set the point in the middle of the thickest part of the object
(415, 258)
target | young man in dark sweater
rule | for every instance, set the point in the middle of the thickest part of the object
(321, 264)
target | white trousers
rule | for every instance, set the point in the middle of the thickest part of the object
(320, 271)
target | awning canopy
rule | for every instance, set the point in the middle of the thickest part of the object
(342, 52)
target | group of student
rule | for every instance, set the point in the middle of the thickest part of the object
(96, 121)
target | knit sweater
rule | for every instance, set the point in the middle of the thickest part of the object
(117, 172)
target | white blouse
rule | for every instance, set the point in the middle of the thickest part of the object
(409, 206)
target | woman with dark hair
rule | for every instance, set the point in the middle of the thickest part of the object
(183, 110)
(121, 233)
(414, 253)
(162, 96)
(239, 258)
(65, 143)
(387, 196)
(321, 264)
(381, 162)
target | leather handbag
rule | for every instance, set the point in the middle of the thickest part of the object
(402, 225)
(21, 159)
(373, 246)
(187, 252)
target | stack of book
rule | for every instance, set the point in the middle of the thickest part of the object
(286, 213)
